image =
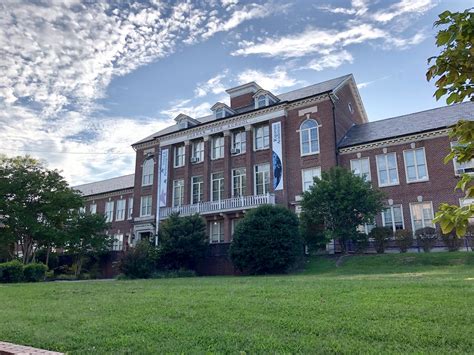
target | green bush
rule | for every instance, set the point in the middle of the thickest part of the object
(426, 237)
(266, 240)
(403, 239)
(381, 236)
(138, 262)
(11, 271)
(173, 274)
(452, 242)
(35, 272)
(361, 241)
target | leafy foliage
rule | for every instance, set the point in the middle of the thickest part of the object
(340, 201)
(35, 205)
(11, 271)
(381, 236)
(454, 70)
(403, 239)
(138, 262)
(266, 240)
(34, 272)
(452, 242)
(182, 242)
(426, 237)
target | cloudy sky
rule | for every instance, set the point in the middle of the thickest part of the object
(81, 80)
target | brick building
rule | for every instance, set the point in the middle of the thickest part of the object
(266, 148)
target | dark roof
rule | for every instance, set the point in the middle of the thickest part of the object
(113, 184)
(423, 121)
(311, 90)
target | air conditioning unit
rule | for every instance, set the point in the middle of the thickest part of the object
(195, 160)
(235, 151)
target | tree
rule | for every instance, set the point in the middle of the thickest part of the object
(35, 204)
(340, 202)
(182, 242)
(86, 234)
(454, 70)
(266, 240)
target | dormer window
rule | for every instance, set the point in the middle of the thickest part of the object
(220, 112)
(261, 101)
(263, 98)
(183, 121)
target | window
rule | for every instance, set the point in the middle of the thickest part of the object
(239, 142)
(217, 186)
(197, 152)
(220, 112)
(82, 210)
(179, 155)
(217, 232)
(178, 192)
(366, 228)
(461, 168)
(118, 242)
(130, 208)
(415, 165)
(309, 137)
(262, 179)
(120, 213)
(393, 217)
(145, 206)
(262, 137)
(93, 208)
(421, 215)
(197, 183)
(308, 176)
(109, 211)
(387, 169)
(147, 173)
(261, 101)
(239, 182)
(217, 147)
(464, 202)
(361, 167)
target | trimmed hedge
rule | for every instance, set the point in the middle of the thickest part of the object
(15, 271)
(403, 239)
(35, 272)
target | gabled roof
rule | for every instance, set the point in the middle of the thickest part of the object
(320, 88)
(109, 185)
(423, 121)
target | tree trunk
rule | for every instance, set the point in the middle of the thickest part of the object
(48, 249)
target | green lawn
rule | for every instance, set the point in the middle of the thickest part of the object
(370, 304)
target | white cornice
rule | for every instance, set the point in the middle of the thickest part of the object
(394, 141)
(108, 194)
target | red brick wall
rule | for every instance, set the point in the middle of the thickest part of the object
(242, 100)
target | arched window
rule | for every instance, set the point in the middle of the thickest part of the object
(261, 101)
(147, 173)
(309, 137)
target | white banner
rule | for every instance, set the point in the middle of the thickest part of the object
(163, 177)
(277, 157)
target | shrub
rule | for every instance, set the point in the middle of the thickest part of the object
(403, 239)
(267, 240)
(452, 242)
(426, 237)
(35, 272)
(381, 236)
(11, 271)
(183, 242)
(138, 262)
(361, 241)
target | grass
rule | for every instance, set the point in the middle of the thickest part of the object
(370, 304)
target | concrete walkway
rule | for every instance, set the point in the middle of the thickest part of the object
(10, 349)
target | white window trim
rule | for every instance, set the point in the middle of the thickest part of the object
(129, 208)
(232, 183)
(212, 147)
(255, 179)
(369, 176)
(109, 203)
(455, 162)
(393, 216)
(388, 175)
(118, 242)
(193, 151)
(302, 176)
(233, 141)
(122, 218)
(174, 190)
(255, 149)
(176, 155)
(221, 232)
(201, 188)
(423, 220)
(301, 140)
(152, 172)
(93, 210)
(141, 205)
(212, 191)
(427, 178)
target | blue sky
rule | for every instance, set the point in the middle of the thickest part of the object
(82, 80)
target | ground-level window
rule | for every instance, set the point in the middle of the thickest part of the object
(197, 183)
(308, 176)
(366, 228)
(421, 215)
(387, 169)
(239, 182)
(145, 206)
(217, 232)
(393, 217)
(361, 167)
(118, 242)
(109, 211)
(262, 179)
(233, 225)
(120, 213)
(178, 192)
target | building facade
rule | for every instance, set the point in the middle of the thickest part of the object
(266, 149)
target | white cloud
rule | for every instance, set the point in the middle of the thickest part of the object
(331, 60)
(214, 85)
(404, 7)
(186, 107)
(272, 81)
